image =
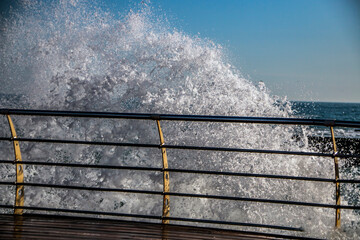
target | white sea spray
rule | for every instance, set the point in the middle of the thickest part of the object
(72, 55)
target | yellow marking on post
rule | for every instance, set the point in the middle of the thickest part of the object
(337, 176)
(166, 177)
(20, 194)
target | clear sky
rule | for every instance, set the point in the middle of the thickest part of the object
(303, 49)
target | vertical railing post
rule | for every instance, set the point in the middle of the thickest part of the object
(337, 184)
(166, 179)
(20, 194)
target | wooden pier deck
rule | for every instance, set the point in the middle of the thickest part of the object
(61, 227)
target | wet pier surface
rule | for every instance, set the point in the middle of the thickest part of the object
(59, 227)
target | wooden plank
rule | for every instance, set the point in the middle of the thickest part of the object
(60, 227)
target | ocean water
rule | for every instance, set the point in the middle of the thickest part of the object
(330, 111)
(327, 110)
(73, 55)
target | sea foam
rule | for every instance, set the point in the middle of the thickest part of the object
(74, 55)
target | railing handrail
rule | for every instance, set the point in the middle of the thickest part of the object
(175, 117)
(166, 193)
(176, 170)
(183, 147)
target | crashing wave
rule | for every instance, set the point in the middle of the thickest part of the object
(72, 55)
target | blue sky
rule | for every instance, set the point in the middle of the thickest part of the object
(303, 49)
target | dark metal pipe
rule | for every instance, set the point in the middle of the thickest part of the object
(182, 147)
(77, 165)
(7, 162)
(239, 174)
(264, 176)
(41, 140)
(234, 223)
(100, 189)
(220, 149)
(82, 212)
(172, 117)
(308, 204)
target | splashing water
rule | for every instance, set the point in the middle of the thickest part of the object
(72, 55)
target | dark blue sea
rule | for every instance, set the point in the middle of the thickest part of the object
(327, 110)
(330, 111)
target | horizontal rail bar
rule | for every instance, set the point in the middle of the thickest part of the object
(78, 165)
(239, 174)
(220, 149)
(40, 140)
(263, 151)
(183, 147)
(83, 212)
(172, 117)
(308, 204)
(100, 189)
(158, 217)
(234, 223)
(264, 176)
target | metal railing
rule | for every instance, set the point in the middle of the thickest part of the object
(19, 206)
